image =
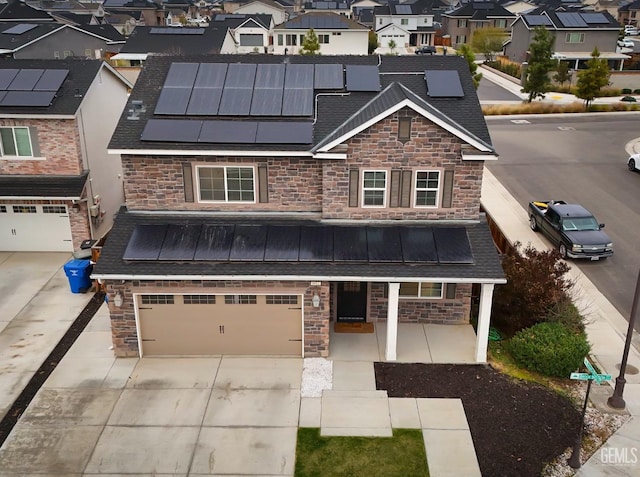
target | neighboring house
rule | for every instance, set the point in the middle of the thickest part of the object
(337, 34)
(339, 8)
(278, 12)
(463, 21)
(17, 11)
(246, 33)
(146, 12)
(269, 198)
(518, 7)
(418, 19)
(58, 184)
(629, 14)
(124, 22)
(393, 33)
(576, 35)
(58, 41)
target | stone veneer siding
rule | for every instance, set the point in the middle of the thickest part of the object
(421, 310)
(123, 322)
(60, 152)
(78, 218)
(157, 183)
(377, 148)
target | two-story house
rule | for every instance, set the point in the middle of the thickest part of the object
(407, 24)
(337, 34)
(269, 198)
(464, 20)
(575, 34)
(58, 184)
(629, 13)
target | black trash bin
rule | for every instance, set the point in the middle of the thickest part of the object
(78, 273)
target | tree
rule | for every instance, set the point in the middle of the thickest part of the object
(488, 41)
(466, 52)
(310, 44)
(562, 73)
(373, 42)
(392, 45)
(540, 64)
(593, 79)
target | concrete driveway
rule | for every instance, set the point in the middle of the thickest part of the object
(179, 416)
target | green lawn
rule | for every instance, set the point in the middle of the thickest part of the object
(399, 456)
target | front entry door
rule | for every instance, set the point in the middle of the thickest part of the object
(352, 302)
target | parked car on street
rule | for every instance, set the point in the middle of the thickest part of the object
(630, 30)
(425, 50)
(626, 43)
(633, 163)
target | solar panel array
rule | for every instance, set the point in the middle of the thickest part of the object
(403, 9)
(294, 243)
(222, 17)
(241, 89)
(443, 84)
(319, 22)
(228, 132)
(537, 20)
(571, 19)
(329, 5)
(363, 78)
(177, 31)
(30, 87)
(595, 18)
(20, 28)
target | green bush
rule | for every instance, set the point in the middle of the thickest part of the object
(636, 91)
(551, 349)
(626, 91)
(567, 314)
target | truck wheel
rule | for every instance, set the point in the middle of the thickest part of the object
(562, 248)
(533, 224)
(632, 165)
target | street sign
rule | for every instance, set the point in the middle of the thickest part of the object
(591, 375)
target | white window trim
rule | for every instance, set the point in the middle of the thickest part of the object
(442, 287)
(438, 190)
(386, 185)
(226, 187)
(569, 34)
(15, 145)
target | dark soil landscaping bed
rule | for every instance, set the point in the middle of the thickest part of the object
(517, 427)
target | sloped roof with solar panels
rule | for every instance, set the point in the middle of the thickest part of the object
(45, 87)
(288, 103)
(321, 21)
(480, 11)
(574, 20)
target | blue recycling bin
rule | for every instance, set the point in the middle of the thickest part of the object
(78, 272)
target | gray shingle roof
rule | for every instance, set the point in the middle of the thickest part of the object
(42, 186)
(12, 42)
(17, 10)
(331, 111)
(486, 265)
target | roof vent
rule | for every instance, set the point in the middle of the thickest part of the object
(77, 93)
(137, 107)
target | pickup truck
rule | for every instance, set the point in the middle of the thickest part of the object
(571, 228)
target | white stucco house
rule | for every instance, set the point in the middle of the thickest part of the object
(277, 12)
(250, 36)
(395, 33)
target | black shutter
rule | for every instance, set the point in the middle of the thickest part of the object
(394, 195)
(263, 184)
(354, 187)
(450, 293)
(187, 179)
(447, 189)
(405, 193)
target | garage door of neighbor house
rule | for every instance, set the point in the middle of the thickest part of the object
(220, 324)
(35, 228)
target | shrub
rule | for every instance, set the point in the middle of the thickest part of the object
(567, 314)
(636, 91)
(551, 349)
(626, 91)
(536, 285)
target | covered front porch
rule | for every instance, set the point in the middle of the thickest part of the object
(416, 343)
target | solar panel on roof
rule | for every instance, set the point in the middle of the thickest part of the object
(594, 18)
(248, 242)
(443, 84)
(384, 244)
(283, 243)
(171, 130)
(51, 80)
(299, 76)
(241, 75)
(266, 102)
(228, 132)
(452, 245)
(215, 242)
(176, 31)
(571, 19)
(180, 242)
(537, 20)
(173, 100)
(316, 244)
(482, 5)
(25, 80)
(145, 242)
(418, 244)
(297, 102)
(6, 77)
(328, 76)
(211, 75)
(363, 78)
(350, 244)
(20, 29)
(28, 98)
(284, 132)
(270, 76)
(204, 101)
(235, 102)
(181, 75)
(403, 9)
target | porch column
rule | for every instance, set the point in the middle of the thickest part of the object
(392, 321)
(484, 319)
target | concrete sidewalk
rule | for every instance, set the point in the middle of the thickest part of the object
(606, 330)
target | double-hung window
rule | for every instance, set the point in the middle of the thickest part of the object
(374, 188)
(575, 38)
(323, 39)
(226, 184)
(427, 188)
(420, 290)
(16, 141)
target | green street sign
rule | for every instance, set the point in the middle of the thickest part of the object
(592, 374)
(581, 376)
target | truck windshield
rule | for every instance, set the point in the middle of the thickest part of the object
(580, 223)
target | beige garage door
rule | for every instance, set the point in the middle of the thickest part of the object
(220, 324)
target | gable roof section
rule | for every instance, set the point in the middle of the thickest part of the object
(104, 32)
(145, 39)
(70, 94)
(392, 26)
(575, 20)
(321, 21)
(15, 10)
(480, 10)
(67, 187)
(393, 98)
(13, 42)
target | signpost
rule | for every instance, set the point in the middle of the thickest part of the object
(592, 375)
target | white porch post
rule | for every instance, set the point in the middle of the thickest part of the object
(484, 317)
(392, 321)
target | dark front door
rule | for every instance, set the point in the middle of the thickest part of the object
(352, 302)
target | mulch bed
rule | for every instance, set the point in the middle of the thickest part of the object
(517, 427)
